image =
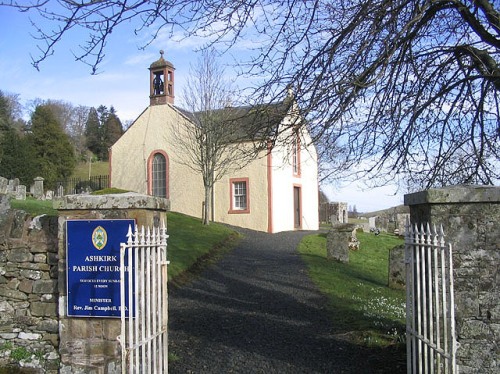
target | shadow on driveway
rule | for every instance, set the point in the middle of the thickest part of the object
(257, 311)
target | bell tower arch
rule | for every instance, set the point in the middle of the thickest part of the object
(161, 82)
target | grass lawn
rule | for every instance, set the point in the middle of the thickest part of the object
(34, 207)
(193, 246)
(97, 168)
(362, 306)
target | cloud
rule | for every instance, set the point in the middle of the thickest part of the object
(141, 59)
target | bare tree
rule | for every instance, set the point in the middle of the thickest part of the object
(211, 144)
(392, 89)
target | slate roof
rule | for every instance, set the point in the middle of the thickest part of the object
(250, 123)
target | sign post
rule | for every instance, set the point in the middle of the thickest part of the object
(93, 266)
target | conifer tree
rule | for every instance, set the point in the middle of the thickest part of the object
(113, 130)
(53, 152)
(102, 130)
(15, 153)
(17, 157)
(93, 132)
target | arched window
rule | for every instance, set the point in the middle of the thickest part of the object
(158, 173)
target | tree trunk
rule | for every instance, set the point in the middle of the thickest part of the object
(206, 206)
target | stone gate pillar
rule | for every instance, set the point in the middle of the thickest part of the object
(90, 345)
(470, 216)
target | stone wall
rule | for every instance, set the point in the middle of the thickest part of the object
(391, 222)
(333, 212)
(28, 289)
(470, 216)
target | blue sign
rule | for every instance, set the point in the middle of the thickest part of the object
(93, 266)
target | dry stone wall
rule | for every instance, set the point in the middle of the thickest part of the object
(28, 290)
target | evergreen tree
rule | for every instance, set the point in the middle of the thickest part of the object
(15, 153)
(102, 130)
(103, 113)
(4, 112)
(53, 152)
(113, 130)
(17, 158)
(93, 132)
(4, 121)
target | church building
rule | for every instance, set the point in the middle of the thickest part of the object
(276, 191)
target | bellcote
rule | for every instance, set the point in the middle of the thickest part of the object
(161, 82)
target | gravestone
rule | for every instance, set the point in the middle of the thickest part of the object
(11, 187)
(20, 193)
(397, 268)
(49, 195)
(38, 188)
(4, 182)
(60, 191)
(337, 242)
(15, 183)
(4, 204)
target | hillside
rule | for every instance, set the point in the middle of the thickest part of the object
(393, 210)
(96, 168)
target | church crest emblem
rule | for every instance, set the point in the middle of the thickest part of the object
(99, 238)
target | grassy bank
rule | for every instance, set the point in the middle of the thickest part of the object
(193, 246)
(83, 169)
(362, 306)
(34, 207)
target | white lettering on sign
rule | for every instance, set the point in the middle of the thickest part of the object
(101, 258)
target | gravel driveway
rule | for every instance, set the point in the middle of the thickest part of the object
(256, 311)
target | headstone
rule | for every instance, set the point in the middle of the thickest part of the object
(49, 195)
(38, 188)
(20, 192)
(10, 187)
(4, 204)
(60, 191)
(372, 222)
(334, 219)
(397, 267)
(337, 242)
(4, 182)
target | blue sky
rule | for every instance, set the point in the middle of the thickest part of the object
(122, 81)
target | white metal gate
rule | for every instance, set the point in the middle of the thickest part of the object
(430, 308)
(144, 301)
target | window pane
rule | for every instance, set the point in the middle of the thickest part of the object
(240, 195)
(159, 174)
